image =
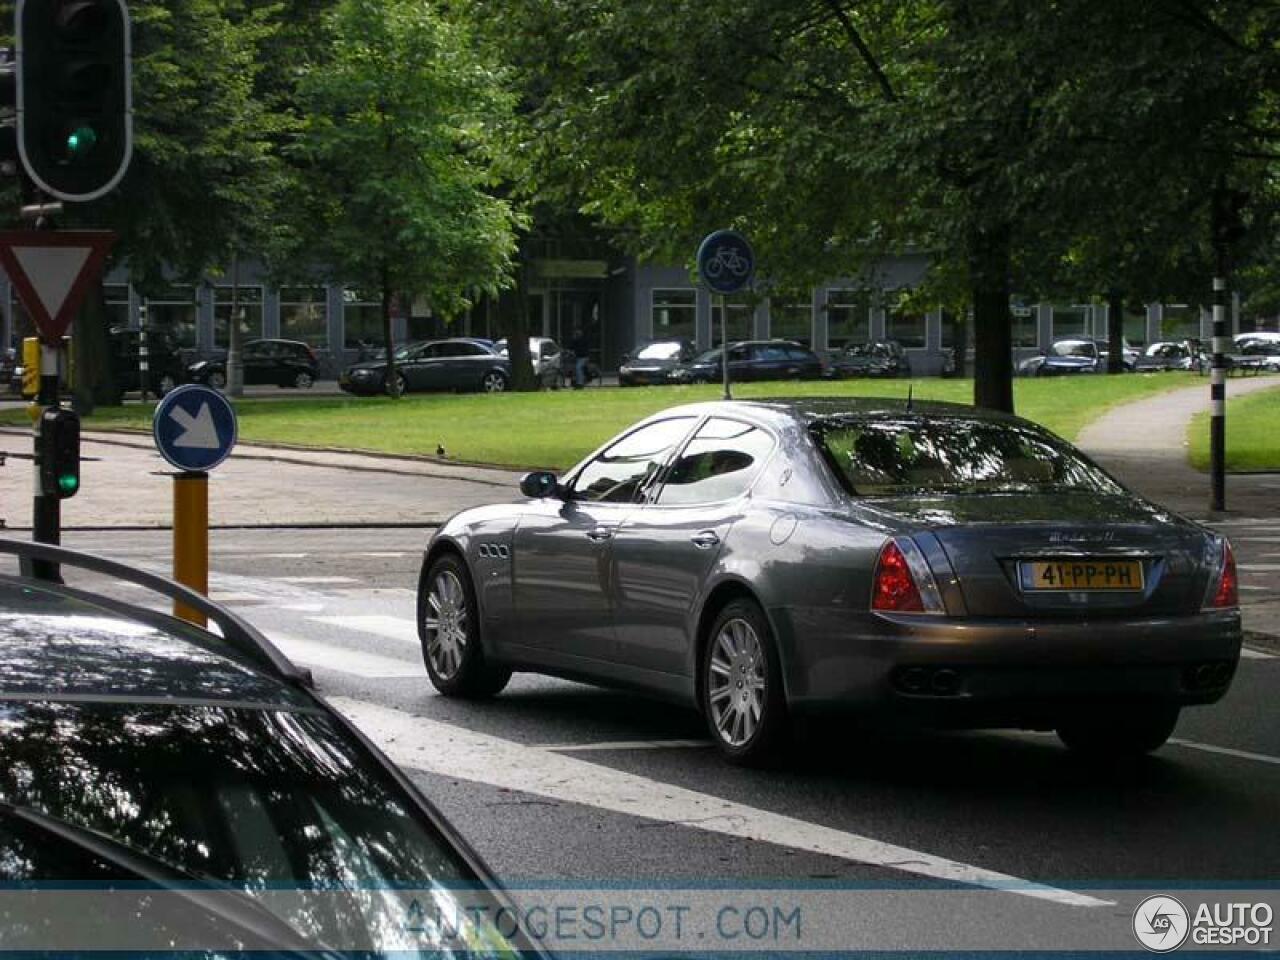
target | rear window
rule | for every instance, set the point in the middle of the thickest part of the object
(896, 456)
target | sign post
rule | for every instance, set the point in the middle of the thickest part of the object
(726, 264)
(194, 430)
(52, 272)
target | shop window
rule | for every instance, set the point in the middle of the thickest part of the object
(248, 302)
(675, 314)
(848, 317)
(304, 315)
(905, 322)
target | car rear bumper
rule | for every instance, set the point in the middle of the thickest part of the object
(1004, 671)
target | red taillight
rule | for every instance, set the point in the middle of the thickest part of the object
(1227, 593)
(895, 589)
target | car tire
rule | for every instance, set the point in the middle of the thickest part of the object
(1119, 733)
(303, 380)
(218, 380)
(448, 629)
(493, 382)
(741, 690)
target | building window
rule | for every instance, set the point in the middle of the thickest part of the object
(1135, 326)
(173, 310)
(740, 326)
(1181, 322)
(1025, 330)
(1072, 321)
(792, 321)
(116, 296)
(361, 319)
(848, 317)
(248, 305)
(675, 314)
(304, 315)
(904, 322)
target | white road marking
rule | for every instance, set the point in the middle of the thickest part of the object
(396, 628)
(423, 744)
(302, 607)
(343, 659)
(1248, 653)
(305, 580)
(392, 554)
(624, 745)
(1249, 586)
(1255, 539)
(1260, 567)
(282, 556)
(1225, 751)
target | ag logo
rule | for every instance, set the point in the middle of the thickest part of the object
(1161, 924)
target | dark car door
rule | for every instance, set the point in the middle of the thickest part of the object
(465, 364)
(665, 549)
(769, 361)
(259, 358)
(423, 367)
(563, 559)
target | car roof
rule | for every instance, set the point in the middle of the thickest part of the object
(59, 642)
(807, 410)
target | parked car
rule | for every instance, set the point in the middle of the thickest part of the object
(654, 362)
(545, 355)
(876, 358)
(765, 559)
(190, 787)
(166, 367)
(1074, 355)
(1255, 353)
(1168, 355)
(753, 360)
(285, 363)
(434, 365)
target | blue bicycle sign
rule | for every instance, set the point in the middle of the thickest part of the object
(725, 261)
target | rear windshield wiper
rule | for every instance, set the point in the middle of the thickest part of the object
(227, 903)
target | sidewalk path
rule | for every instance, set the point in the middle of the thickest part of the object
(1145, 445)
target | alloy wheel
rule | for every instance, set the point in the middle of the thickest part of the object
(736, 682)
(494, 383)
(446, 624)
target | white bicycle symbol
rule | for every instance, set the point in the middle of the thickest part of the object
(727, 258)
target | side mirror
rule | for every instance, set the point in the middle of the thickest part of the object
(539, 484)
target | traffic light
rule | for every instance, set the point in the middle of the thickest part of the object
(75, 107)
(59, 452)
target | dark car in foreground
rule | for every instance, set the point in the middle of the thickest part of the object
(458, 364)
(653, 362)
(876, 358)
(197, 795)
(752, 360)
(767, 559)
(285, 363)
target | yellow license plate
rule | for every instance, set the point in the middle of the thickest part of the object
(1073, 574)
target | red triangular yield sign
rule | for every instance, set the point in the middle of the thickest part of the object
(52, 271)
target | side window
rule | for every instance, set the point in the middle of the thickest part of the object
(799, 353)
(718, 464)
(619, 473)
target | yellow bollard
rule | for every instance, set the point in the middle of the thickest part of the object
(191, 539)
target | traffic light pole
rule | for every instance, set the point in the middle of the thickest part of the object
(46, 510)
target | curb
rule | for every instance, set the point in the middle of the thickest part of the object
(1266, 642)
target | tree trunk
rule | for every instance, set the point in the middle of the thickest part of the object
(91, 355)
(513, 322)
(387, 294)
(1115, 331)
(992, 327)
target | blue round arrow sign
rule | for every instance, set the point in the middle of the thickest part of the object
(725, 261)
(194, 428)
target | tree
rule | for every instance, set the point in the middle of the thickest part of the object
(396, 161)
(836, 133)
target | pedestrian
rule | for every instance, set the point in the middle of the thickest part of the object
(581, 350)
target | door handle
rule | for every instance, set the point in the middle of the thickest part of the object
(705, 539)
(600, 534)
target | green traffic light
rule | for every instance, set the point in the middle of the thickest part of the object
(81, 141)
(68, 483)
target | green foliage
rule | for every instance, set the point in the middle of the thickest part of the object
(395, 155)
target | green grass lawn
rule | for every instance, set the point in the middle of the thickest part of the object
(555, 429)
(1253, 433)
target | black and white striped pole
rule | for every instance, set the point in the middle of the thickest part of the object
(144, 355)
(1218, 397)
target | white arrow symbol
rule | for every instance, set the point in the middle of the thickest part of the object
(200, 430)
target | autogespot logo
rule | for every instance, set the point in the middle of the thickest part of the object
(1161, 923)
